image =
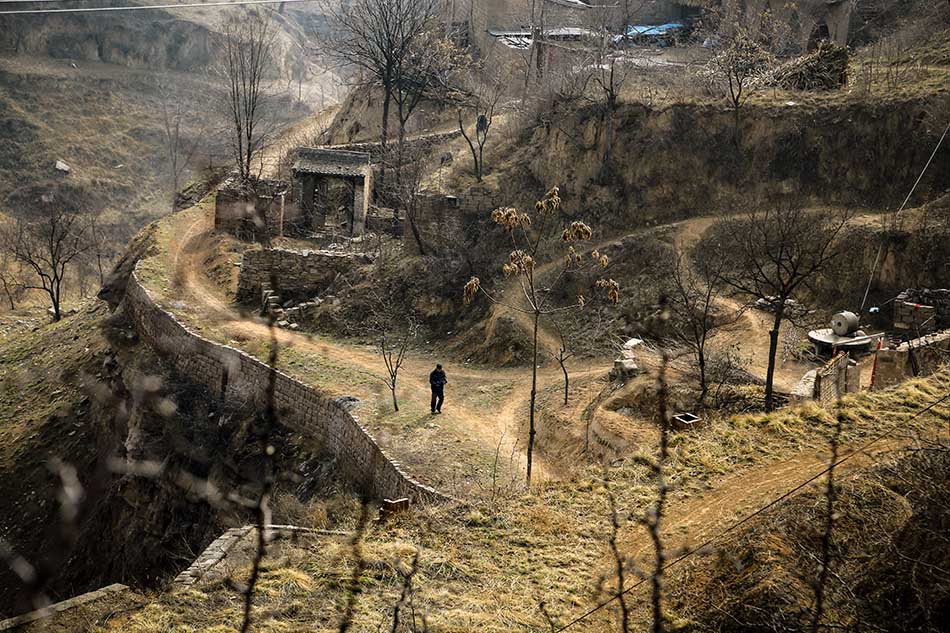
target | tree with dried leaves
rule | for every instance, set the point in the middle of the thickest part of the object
(533, 237)
(49, 238)
(771, 255)
(249, 63)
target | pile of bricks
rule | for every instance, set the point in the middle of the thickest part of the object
(922, 311)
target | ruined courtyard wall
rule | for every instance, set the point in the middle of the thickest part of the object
(920, 357)
(301, 272)
(236, 377)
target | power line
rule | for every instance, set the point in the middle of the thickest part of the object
(758, 512)
(149, 7)
(880, 249)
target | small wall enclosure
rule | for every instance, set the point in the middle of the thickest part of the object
(316, 170)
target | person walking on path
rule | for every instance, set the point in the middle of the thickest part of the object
(437, 381)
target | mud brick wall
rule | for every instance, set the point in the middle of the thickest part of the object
(294, 272)
(239, 378)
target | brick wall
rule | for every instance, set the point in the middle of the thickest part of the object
(920, 357)
(922, 310)
(240, 378)
(294, 271)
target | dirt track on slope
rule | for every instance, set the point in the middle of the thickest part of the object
(480, 429)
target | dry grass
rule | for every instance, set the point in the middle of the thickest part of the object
(486, 566)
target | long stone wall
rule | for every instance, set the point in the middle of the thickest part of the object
(237, 377)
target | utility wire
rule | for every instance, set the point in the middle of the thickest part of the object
(150, 7)
(758, 512)
(880, 248)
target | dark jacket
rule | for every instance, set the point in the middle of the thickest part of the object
(437, 379)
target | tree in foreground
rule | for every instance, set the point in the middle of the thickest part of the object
(534, 239)
(771, 255)
(48, 239)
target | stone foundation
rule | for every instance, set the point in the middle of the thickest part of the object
(922, 311)
(290, 273)
(919, 357)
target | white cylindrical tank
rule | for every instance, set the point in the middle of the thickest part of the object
(844, 323)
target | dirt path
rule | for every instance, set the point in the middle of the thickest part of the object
(483, 427)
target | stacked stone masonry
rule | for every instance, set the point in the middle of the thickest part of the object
(236, 377)
(208, 565)
(835, 379)
(922, 311)
(919, 357)
(61, 607)
(301, 272)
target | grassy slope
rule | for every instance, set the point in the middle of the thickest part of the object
(486, 566)
(104, 121)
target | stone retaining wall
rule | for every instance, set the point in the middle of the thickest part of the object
(423, 142)
(237, 377)
(294, 272)
(209, 566)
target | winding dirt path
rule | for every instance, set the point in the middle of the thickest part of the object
(484, 428)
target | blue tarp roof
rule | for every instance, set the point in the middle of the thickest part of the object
(653, 29)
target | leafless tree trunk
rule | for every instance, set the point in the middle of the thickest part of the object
(377, 37)
(249, 62)
(771, 255)
(693, 305)
(531, 239)
(51, 241)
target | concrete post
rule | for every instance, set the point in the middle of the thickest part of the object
(361, 194)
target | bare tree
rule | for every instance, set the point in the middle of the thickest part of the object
(10, 273)
(180, 147)
(606, 69)
(737, 67)
(771, 255)
(693, 304)
(426, 72)
(563, 355)
(49, 238)
(532, 239)
(378, 37)
(480, 100)
(248, 64)
(393, 344)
